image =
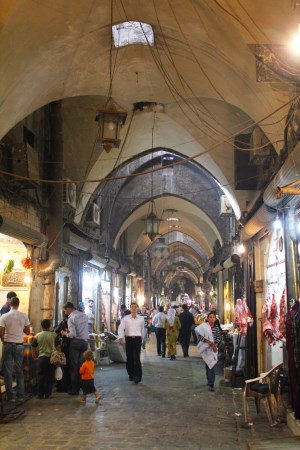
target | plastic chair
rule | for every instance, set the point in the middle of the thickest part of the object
(261, 389)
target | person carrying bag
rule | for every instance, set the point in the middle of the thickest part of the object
(209, 338)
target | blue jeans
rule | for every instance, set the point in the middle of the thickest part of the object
(13, 353)
(76, 349)
(210, 375)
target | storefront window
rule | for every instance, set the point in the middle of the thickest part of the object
(106, 300)
(90, 287)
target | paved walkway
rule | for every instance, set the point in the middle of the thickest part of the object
(170, 409)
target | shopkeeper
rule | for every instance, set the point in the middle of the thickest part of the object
(90, 315)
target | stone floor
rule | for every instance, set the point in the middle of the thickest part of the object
(170, 409)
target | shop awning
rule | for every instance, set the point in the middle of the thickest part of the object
(97, 261)
(113, 264)
(123, 269)
(288, 173)
(262, 218)
(25, 234)
(218, 267)
(231, 261)
(75, 241)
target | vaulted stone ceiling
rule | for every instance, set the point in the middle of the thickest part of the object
(201, 69)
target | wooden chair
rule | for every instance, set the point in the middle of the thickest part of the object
(261, 389)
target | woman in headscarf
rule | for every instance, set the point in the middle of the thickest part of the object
(172, 326)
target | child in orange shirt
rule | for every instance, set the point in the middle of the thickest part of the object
(87, 377)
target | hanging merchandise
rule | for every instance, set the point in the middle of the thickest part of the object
(282, 327)
(27, 263)
(273, 323)
(242, 316)
(8, 268)
(268, 330)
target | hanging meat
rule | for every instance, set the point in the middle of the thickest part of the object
(268, 331)
(242, 316)
(282, 328)
(273, 324)
(274, 315)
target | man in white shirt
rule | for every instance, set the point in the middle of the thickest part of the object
(13, 325)
(90, 315)
(160, 332)
(132, 331)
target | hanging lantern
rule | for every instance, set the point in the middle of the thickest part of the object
(161, 249)
(111, 117)
(152, 223)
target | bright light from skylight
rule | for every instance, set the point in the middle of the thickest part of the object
(127, 33)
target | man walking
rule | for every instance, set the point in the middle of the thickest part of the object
(158, 322)
(13, 325)
(78, 335)
(132, 330)
(187, 321)
(6, 307)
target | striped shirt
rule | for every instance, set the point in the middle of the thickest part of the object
(216, 334)
(146, 318)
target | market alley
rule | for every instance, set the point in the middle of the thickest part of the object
(170, 409)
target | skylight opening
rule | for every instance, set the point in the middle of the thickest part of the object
(128, 33)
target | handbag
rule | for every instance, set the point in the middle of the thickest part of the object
(58, 358)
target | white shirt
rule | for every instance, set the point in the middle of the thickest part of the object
(131, 326)
(159, 320)
(14, 322)
(78, 325)
(90, 315)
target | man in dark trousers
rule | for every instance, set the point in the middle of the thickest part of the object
(131, 332)
(158, 322)
(187, 321)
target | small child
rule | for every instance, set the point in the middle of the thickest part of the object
(87, 377)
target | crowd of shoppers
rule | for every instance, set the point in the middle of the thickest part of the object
(71, 337)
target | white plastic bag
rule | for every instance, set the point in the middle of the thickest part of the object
(202, 346)
(58, 374)
(210, 357)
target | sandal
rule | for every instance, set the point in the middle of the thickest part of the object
(98, 398)
(83, 400)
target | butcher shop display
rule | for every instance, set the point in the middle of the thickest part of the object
(242, 316)
(273, 322)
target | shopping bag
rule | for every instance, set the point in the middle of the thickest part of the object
(58, 374)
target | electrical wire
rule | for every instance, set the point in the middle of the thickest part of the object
(183, 161)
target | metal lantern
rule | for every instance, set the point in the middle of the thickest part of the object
(161, 249)
(111, 117)
(152, 223)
